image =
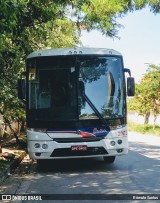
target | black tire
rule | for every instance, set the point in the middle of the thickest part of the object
(109, 159)
(41, 163)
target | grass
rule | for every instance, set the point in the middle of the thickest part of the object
(145, 129)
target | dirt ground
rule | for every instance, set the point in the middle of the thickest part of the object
(10, 150)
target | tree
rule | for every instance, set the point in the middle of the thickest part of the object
(153, 79)
(25, 26)
(147, 99)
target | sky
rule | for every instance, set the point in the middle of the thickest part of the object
(139, 41)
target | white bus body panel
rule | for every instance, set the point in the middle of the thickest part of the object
(73, 51)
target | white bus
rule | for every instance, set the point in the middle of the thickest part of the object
(76, 103)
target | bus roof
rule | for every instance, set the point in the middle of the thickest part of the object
(73, 51)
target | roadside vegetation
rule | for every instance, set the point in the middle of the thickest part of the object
(147, 95)
(144, 128)
(146, 102)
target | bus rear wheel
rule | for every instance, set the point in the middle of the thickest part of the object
(109, 159)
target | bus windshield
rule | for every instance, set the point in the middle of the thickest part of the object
(76, 87)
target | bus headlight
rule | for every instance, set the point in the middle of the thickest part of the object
(37, 145)
(44, 146)
(112, 143)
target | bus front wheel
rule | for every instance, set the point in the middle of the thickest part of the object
(41, 163)
(109, 159)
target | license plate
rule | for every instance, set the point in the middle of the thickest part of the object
(79, 148)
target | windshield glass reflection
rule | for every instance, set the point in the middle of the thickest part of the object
(57, 86)
(104, 86)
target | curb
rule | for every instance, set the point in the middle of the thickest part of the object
(14, 164)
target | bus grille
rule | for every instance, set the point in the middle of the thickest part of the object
(63, 152)
(79, 139)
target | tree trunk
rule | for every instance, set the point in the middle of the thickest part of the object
(14, 133)
(146, 118)
(23, 125)
(155, 118)
(0, 149)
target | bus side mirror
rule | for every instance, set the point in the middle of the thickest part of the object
(127, 70)
(130, 86)
(21, 89)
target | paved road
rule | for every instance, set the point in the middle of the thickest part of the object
(136, 173)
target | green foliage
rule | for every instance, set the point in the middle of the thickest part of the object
(147, 99)
(144, 129)
(101, 15)
(25, 26)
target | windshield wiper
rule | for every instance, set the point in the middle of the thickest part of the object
(98, 114)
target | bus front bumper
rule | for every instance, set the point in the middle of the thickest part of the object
(53, 150)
